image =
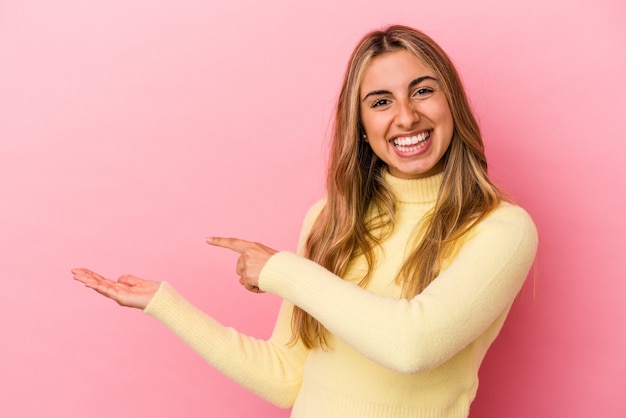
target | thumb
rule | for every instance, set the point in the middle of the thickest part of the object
(129, 280)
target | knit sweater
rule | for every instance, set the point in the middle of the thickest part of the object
(387, 356)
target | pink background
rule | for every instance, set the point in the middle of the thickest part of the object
(130, 129)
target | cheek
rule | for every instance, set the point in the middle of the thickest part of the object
(450, 126)
(366, 120)
(446, 122)
(375, 125)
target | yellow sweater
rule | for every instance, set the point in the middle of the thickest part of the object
(389, 357)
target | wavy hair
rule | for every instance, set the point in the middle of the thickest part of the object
(356, 190)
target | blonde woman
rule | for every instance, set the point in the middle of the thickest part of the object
(405, 272)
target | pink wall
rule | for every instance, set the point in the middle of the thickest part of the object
(129, 130)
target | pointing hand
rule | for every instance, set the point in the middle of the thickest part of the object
(252, 259)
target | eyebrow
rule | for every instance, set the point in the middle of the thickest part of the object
(412, 84)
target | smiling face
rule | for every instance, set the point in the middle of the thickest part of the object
(405, 114)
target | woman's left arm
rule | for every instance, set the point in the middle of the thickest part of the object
(416, 335)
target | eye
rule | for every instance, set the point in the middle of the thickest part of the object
(380, 102)
(422, 92)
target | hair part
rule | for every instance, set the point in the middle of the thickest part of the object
(359, 210)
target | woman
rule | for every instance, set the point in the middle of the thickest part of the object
(406, 271)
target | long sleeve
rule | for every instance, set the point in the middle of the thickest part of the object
(417, 335)
(272, 369)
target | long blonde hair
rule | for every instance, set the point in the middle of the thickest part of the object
(355, 183)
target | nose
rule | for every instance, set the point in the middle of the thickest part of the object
(407, 116)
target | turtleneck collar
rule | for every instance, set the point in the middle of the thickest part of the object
(414, 190)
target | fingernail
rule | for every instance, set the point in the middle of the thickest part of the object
(209, 240)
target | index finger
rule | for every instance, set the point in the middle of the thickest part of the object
(234, 244)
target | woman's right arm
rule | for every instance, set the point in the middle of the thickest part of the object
(272, 369)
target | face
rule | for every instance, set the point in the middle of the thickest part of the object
(405, 114)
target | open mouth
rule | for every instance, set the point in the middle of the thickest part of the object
(411, 143)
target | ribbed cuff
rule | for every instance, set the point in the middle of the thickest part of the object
(285, 271)
(303, 283)
(192, 325)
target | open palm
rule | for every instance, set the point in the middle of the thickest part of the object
(128, 290)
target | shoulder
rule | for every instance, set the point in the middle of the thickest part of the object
(508, 223)
(510, 216)
(314, 211)
(309, 219)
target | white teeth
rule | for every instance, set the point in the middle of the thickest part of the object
(410, 141)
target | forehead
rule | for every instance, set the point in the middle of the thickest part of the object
(393, 69)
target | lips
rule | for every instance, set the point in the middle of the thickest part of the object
(411, 143)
